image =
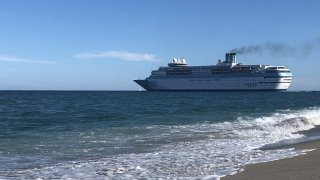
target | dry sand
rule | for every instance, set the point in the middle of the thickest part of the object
(299, 167)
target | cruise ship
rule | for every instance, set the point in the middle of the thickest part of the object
(224, 76)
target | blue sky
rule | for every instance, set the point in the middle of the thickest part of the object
(105, 44)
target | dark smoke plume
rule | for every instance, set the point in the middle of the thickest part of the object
(280, 49)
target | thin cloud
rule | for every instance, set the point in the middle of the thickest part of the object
(121, 55)
(23, 60)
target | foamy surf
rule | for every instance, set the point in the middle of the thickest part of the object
(220, 149)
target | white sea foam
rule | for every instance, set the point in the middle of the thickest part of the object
(224, 148)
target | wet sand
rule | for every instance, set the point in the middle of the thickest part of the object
(300, 167)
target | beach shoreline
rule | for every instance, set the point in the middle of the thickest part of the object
(305, 166)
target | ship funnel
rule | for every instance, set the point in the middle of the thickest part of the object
(231, 58)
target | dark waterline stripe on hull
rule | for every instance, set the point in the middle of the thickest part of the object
(222, 90)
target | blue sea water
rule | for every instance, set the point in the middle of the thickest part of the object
(125, 135)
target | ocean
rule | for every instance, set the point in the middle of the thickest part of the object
(147, 135)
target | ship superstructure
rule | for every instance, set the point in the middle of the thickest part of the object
(225, 75)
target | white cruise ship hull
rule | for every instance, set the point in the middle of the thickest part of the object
(214, 84)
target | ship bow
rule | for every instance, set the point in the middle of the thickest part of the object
(144, 84)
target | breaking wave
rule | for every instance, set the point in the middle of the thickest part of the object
(208, 150)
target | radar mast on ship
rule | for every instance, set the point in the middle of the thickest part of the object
(180, 61)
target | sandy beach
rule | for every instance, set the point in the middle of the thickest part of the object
(300, 167)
